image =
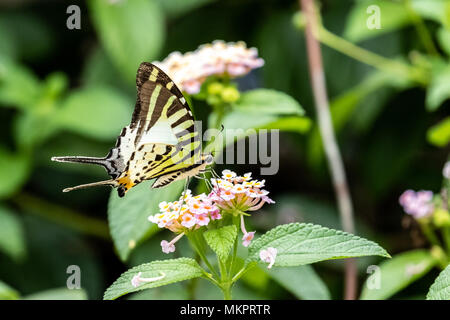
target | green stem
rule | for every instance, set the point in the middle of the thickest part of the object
(429, 233)
(370, 58)
(226, 292)
(194, 241)
(61, 215)
(446, 236)
(421, 28)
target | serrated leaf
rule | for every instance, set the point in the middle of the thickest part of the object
(221, 240)
(175, 270)
(99, 112)
(12, 237)
(300, 243)
(7, 293)
(130, 31)
(128, 216)
(439, 134)
(302, 281)
(397, 273)
(440, 289)
(58, 294)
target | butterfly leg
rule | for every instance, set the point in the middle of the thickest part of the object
(184, 193)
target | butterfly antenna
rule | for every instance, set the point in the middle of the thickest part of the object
(76, 159)
(94, 184)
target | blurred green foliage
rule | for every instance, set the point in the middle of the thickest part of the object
(71, 91)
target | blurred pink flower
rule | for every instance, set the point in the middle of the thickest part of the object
(190, 70)
(418, 204)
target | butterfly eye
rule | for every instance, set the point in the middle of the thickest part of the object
(209, 159)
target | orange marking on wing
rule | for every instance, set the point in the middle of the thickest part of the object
(126, 181)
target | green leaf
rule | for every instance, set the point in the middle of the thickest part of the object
(15, 168)
(174, 270)
(436, 10)
(392, 15)
(440, 289)
(128, 216)
(7, 293)
(262, 109)
(95, 112)
(130, 31)
(300, 243)
(439, 89)
(267, 101)
(439, 134)
(301, 281)
(12, 237)
(443, 36)
(175, 8)
(19, 87)
(397, 273)
(58, 294)
(293, 124)
(221, 240)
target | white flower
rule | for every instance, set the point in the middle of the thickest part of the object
(138, 280)
(446, 170)
(247, 238)
(268, 255)
(167, 247)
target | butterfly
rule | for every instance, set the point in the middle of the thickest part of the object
(161, 142)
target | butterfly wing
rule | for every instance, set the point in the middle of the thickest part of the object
(162, 114)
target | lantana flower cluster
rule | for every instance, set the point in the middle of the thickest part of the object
(191, 69)
(230, 194)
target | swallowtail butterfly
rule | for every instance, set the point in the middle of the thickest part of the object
(160, 143)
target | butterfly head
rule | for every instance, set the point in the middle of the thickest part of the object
(207, 159)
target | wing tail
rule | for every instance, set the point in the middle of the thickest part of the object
(94, 184)
(77, 159)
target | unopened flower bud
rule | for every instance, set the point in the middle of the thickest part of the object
(230, 94)
(441, 218)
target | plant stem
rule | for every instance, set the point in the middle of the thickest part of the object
(446, 236)
(329, 140)
(430, 234)
(194, 241)
(226, 289)
(61, 215)
(368, 57)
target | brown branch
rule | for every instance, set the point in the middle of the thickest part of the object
(332, 152)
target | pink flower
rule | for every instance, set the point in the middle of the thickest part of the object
(240, 193)
(247, 238)
(138, 280)
(268, 255)
(418, 204)
(202, 219)
(220, 59)
(167, 247)
(188, 220)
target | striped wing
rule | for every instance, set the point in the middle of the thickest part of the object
(162, 138)
(162, 114)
